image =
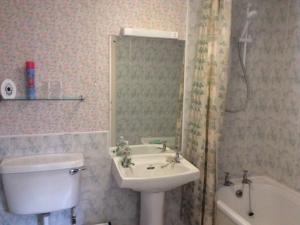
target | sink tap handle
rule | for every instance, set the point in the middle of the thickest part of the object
(164, 146)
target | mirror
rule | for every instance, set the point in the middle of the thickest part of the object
(146, 79)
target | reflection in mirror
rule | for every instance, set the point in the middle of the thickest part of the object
(146, 76)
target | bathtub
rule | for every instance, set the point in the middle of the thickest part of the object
(272, 204)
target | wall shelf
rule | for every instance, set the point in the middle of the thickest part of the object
(79, 98)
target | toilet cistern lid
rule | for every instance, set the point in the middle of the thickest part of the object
(45, 162)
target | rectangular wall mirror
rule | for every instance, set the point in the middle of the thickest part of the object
(146, 78)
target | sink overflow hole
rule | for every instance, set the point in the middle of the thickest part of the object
(150, 167)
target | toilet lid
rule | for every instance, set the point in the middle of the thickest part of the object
(45, 162)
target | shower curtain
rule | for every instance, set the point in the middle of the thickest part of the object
(209, 84)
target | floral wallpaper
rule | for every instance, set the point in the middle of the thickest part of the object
(68, 40)
(147, 77)
(265, 138)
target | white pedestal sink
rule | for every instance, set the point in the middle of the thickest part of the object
(152, 175)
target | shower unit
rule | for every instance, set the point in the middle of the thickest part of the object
(245, 37)
(242, 47)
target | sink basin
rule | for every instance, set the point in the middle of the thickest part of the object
(154, 172)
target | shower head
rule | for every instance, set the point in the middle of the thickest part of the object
(251, 14)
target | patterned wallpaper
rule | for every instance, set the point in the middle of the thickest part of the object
(265, 138)
(69, 42)
(148, 74)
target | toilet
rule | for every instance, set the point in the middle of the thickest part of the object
(41, 184)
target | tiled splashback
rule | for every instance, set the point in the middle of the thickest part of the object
(265, 138)
(68, 40)
(100, 198)
(148, 75)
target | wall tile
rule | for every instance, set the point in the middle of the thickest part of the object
(96, 180)
(101, 199)
(264, 138)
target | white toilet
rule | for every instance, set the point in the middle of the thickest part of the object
(41, 184)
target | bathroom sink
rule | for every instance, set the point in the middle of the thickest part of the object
(154, 172)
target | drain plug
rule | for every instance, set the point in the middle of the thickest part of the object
(239, 193)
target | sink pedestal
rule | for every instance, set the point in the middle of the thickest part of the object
(152, 208)
(152, 180)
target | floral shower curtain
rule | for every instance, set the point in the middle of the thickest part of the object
(206, 109)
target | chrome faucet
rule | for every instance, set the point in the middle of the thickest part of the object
(124, 150)
(227, 181)
(173, 161)
(245, 178)
(164, 146)
(177, 156)
(126, 160)
(121, 146)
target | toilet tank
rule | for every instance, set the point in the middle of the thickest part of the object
(41, 183)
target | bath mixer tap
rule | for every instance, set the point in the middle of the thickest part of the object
(245, 178)
(227, 181)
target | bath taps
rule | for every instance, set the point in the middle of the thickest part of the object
(248, 182)
(245, 178)
(227, 181)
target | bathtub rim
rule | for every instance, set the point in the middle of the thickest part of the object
(231, 214)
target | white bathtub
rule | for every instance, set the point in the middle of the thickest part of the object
(272, 203)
